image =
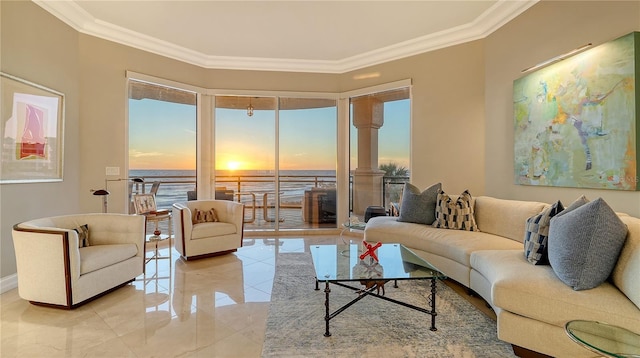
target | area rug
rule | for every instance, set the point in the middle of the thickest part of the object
(372, 327)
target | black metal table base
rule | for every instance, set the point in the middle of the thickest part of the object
(369, 292)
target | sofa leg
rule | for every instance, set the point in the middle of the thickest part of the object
(527, 353)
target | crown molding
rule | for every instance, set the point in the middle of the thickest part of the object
(493, 18)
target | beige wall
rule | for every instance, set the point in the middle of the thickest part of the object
(462, 131)
(35, 46)
(447, 131)
(545, 30)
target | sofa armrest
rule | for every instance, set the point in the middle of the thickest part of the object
(47, 260)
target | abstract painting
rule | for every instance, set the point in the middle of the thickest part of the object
(31, 132)
(575, 122)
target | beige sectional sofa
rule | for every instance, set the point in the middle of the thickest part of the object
(531, 303)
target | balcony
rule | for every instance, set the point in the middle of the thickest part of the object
(306, 201)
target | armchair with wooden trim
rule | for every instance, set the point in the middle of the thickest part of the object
(65, 261)
(194, 239)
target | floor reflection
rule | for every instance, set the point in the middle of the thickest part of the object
(205, 308)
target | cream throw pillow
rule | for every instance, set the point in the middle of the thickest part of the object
(204, 216)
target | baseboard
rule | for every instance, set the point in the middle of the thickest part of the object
(8, 283)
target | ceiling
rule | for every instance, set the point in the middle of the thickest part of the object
(303, 36)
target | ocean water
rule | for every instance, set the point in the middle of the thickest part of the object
(175, 183)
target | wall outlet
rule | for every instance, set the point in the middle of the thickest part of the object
(112, 171)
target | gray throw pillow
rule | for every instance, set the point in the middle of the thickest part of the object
(419, 207)
(584, 244)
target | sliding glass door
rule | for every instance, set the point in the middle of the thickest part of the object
(277, 155)
(307, 162)
(245, 158)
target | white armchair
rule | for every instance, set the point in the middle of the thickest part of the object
(195, 241)
(53, 270)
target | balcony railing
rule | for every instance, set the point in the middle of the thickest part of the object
(257, 193)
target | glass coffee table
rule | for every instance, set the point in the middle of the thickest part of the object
(605, 339)
(341, 265)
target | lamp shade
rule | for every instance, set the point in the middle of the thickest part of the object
(100, 192)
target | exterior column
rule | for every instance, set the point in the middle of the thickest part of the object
(368, 117)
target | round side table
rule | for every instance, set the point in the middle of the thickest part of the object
(604, 339)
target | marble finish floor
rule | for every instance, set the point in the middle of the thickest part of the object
(215, 307)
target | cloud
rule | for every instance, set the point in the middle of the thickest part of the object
(137, 154)
(300, 154)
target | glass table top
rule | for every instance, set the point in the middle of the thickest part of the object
(612, 341)
(343, 263)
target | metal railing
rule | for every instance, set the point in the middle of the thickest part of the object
(174, 188)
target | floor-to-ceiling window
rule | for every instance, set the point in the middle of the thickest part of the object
(307, 162)
(162, 142)
(245, 156)
(379, 148)
(282, 154)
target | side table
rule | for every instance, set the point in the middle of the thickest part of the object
(604, 339)
(157, 237)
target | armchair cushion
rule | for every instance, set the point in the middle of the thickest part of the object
(95, 257)
(211, 229)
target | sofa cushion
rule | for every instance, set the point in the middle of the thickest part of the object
(456, 214)
(419, 207)
(535, 292)
(95, 257)
(584, 244)
(456, 245)
(625, 273)
(211, 229)
(536, 234)
(506, 218)
(83, 235)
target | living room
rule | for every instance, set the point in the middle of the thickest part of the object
(462, 102)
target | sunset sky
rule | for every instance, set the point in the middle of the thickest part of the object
(162, 135)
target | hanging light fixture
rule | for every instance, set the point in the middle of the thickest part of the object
(250, 109)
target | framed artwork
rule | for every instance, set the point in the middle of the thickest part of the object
(144, 203)
(31, 132)
(576, 121)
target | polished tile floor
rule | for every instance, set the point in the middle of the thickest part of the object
(214, 307)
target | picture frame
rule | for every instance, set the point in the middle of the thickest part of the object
(144, 203)
(31, 132)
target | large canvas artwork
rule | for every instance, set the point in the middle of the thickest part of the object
(576, 121)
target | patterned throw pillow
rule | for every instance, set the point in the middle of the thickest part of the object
(419, 207)
(584, 244)
(455, 214)
(536, 234)
(83, 235)
(205, 216)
